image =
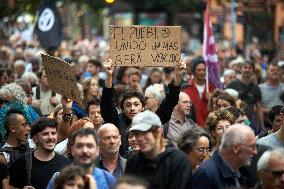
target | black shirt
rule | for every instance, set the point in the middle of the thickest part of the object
(41, 172)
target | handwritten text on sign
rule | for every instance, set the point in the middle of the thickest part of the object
(61, 77)
(145, 45)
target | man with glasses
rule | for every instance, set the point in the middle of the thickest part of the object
(238, 146)
(275, 140)
(270, 168)
(179, 121)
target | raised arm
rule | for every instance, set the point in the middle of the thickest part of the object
(108, 108)
(170, 101)
(63, 129)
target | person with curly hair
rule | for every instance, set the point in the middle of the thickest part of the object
(217, 123)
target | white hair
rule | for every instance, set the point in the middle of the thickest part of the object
(30, 77)
(156, 91)
(236, 134)
(83, 58)
(263, 161)
(19, 63)
(14, 91)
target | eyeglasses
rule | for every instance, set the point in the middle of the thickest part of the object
(203, 149)
(252, 146)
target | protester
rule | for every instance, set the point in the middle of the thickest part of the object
(133, 102)
(195, 143)
(198, 92)
(84, 150)
(43, 97)
(179, 121)
(130, 182)
(109, 159)
(270, 168)
(237, 148)
(73, 177)
(275, 140)
(93, 110)
(15, 128)
(250, 94)
(36, 168)
(90, 90)
(217, 123)
(160, 164)
(275, 119)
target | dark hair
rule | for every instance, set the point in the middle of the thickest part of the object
(248, 62)
(189, 138)
(195, 62)
(120, 72)
(274, 111)
(95, 62)
(41, 124)
(67, 174)
(131, 180)
(226, 97)
(237, 112)
(130, 94)
(92, 102)
(84, 132)
(2, 71)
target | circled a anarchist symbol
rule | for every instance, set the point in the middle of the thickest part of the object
(46, 20)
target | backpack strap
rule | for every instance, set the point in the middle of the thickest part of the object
(29, 161)
(37, 93)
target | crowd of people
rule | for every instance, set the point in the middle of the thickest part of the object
(144, 128)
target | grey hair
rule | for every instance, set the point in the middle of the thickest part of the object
(262, 163)
(156, 91)
(15, 91)
(19, 63)
(236, 134)
(30, 77)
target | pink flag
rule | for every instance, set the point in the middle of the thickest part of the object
(210, 53)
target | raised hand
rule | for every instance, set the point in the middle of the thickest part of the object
(179, 70)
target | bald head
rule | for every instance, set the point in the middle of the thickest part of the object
(184, 104)
(236, 134)
(110, 140)
(107, 127)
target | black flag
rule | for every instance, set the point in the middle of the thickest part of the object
(48, 27)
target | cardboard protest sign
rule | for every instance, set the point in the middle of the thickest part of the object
(61, 77)
(145, 45)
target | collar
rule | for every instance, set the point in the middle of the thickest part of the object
(224, 168)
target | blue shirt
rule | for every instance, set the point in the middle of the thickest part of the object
(103, 179)
(215, 174)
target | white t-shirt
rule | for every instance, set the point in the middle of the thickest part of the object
(200, 89)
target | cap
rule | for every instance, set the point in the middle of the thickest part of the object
(144, 121)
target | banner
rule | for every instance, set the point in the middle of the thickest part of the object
(210, 53)
(48, 27)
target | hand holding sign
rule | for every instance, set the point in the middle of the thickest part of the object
(61, 77)
(179, 70)
(109, 71)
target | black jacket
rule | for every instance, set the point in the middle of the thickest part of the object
(110, 114)
(171, 169)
